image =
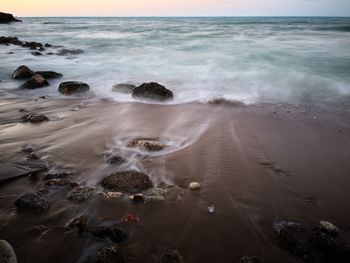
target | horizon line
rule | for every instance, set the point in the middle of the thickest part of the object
(184, 16)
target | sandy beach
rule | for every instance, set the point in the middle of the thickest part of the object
(255, 164)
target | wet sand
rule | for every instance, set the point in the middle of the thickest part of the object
(255, 164)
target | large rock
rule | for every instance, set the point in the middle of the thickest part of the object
(35, 82)
(153, 91)
(7, 18)
(32, 202)
(7, 254)
(123, 87)
(22, 72)
(70, 87)
(127, 181)
(49, 74)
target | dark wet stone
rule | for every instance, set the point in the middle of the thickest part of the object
(138, 199)
(34, 118)
(47, 45)
(250, 259)
(35, 82)
(66, 51)
(49, 74)
(293, 237)
(70, 87)
(123, 87)
(153, 91)
(128, 181)
(36, 53)
(7, 254)
(329, 227)
(109, 254)
(80, 223)
(112, 232)
(22, 72)
(81, 193)
(171, 256)
(7, 18)
(32, 45)
(32, 202)
(56, 183)
(147, 144)
(322, 239)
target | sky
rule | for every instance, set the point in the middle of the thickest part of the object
(176, 7)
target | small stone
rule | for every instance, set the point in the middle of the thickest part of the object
(35, 82)
(22, 72)
(7, 254)
(35, 118)
(332, 229)
(81, 223)
(146, 144)
(195, 186)
(81, 193)
(109, 254)
(138, 199)
(71, 87)
(32, 202)
(127, 181)
(36, 53)
(115, 195)
(115, 159)
(171, 256)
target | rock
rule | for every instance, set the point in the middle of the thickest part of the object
(34, 118)
(109, 254)
(127, 181)
(171, 256)
(80, 223)
(32, 202)
(35, 82)
(36, 53)
(146, 144)
(123, 88)
(112, 232)
(156, 194)
(252, 259)
(195, 186)
(10, 40)
(47, 45)
(329, 227)
(70, 87)
(138, 199)
(115, 195)
(114, 159)
(33, 156)
(224, 101)
(32, 45)
(56, 183)
(81, 193)
(170, 194)
(49, 74)
(293, 237)
(7, 18)
(153, 91)
(7, 254)
(54, 174)
(28, 149)
(324, 240)
(22, 72)
(66, 51)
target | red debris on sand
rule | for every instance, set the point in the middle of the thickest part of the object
(131, 218)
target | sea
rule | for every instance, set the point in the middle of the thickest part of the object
(249, 59)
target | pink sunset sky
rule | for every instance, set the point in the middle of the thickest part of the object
(176, 7)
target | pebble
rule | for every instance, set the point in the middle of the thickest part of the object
(195, 186)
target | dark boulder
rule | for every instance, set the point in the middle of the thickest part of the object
(32, 202)
(35, 82)
(127, 181)
(153, 91)
(123, 87)
(111, 231)
(71, 87)
(10, 40)
(49, 74)
(7, 18)
(34, 118)
(22, 72)
(7, 254)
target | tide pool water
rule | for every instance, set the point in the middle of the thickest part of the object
(250, 59)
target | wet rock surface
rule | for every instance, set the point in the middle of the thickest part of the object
(7, 254)
(146, 144)
(111, 231)
(81, 193)
(71, 87)
(127, 181)
(6, 18)
(34, 202)
(123, 88)
(152, 91)
(35, 82)
(35, 118)
(109, 254)
(49, 74)
(22, 72)
(80, 223)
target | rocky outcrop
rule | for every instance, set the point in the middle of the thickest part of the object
(128, 181)
(22, 72)
(71, 87)
(152, 91)
(32, 202)
(7, 254)
(123, 87)
(35, 82)
(7, 18)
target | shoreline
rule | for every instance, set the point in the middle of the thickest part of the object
(255, 164)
